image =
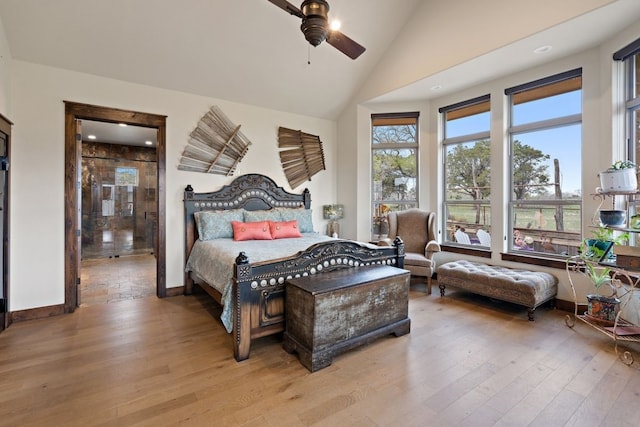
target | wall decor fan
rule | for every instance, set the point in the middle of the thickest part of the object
(301, 155)
(315, 26)
(215, 146)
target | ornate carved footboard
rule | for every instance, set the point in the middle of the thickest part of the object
(258, 291)
(258, 288)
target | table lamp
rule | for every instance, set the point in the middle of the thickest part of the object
(333, 213)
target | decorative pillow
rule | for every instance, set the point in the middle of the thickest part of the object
(303, 216)
(216, 224)
(251, 230)
(264, 215)
(284, 229)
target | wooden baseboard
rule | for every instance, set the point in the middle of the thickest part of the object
(55, 310)
(36, 313)
(569, 306)
(174, 292)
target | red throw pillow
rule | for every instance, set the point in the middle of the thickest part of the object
(284, 229)
(258, 230)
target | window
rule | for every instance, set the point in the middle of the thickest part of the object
(394, 164)
(633, 103)
(545, 171)
(467, 171)
(630, 55)
(126, 176)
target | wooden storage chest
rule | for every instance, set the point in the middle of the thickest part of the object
(329, 313)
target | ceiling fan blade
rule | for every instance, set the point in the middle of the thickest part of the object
(288, 7)
(344, 44)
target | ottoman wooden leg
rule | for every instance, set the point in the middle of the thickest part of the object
(531, 314)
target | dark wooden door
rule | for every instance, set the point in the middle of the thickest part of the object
(5, 139)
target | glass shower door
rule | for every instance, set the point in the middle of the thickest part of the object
(119, 204)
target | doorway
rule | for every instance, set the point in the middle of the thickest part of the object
(119, 187)
(119, 190)
(75, 113)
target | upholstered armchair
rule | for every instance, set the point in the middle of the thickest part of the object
(416, 228)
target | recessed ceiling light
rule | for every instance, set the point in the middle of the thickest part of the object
(436, 87)
(148, 143)
(335, 25)
(542, 49)
(122, 124)
(91, 136)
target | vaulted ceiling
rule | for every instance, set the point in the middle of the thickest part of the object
(252, 52)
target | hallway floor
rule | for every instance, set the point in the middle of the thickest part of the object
(108, 280)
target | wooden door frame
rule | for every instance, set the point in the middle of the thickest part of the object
(76, 111)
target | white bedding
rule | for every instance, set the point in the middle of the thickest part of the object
(212, 261)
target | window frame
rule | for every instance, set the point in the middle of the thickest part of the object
(631, 95)
(513, 253)
(632, 104)
(400, 118)
(477, 105)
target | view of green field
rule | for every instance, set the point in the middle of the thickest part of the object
(539, 224)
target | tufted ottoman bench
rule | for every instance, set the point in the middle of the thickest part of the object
(528, 288)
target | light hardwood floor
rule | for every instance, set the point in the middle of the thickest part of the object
(467, 362)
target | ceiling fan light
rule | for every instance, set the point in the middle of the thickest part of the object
(315, 8)
(315, 26)
(315, 22)
(314, 30)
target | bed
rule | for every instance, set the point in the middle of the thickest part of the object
(251, 291)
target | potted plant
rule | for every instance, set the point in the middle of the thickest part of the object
(376, 227)
(595, 248)
(384, 226)
(602, 309)
(380, 221)
(619, 177)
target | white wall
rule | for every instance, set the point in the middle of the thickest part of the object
(443, 34)
(5, 80)
(37, 205)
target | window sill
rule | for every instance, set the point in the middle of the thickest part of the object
(466, 250)
(560, 264)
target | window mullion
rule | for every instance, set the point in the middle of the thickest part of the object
(546, 124)
(466, 138)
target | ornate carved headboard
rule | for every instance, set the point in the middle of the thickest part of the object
(251, 192)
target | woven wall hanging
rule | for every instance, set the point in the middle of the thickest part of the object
(215, 146)
(301, 155)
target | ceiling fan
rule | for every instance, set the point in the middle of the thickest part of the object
(315, 26)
